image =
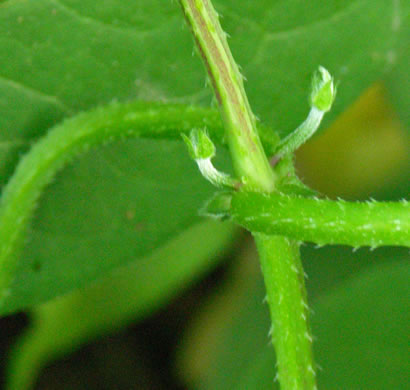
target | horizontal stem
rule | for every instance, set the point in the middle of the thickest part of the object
(324, 221)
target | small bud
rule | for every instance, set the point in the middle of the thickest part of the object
(321, 99)
(323, 90)
(202, 149)
(199, 144)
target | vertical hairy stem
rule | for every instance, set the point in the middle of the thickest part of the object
(286, 296)
(279, 256)
(249, 159)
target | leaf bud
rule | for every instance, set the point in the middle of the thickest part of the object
(323, 90)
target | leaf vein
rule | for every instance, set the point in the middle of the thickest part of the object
(89, 20)
(276, 35)
(35, 92)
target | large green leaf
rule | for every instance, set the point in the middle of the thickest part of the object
(111, 216)
(71, 54)
(60, 57)
(279, 43)
(128, 293)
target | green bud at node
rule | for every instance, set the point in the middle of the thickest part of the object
(321, 99)
(323, 90)
(199, 144)
(202, 149)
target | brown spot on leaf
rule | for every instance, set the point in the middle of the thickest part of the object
(130, 214)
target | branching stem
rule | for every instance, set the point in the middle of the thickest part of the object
(278, 254)
(324, 221)
(249, 159)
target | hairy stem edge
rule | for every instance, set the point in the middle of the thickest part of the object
(74, 137)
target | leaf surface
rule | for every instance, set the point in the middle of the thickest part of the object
(59, 57)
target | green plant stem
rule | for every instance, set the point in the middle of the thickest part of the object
(324, 221)
(71, 138)
(249, 159)
(294, 356)
(286, 296)
(299, 136)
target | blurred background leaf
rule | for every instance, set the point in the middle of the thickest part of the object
(127, 294)
(364, 152)
(361, 330)
(397, 80)
(360, 322)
